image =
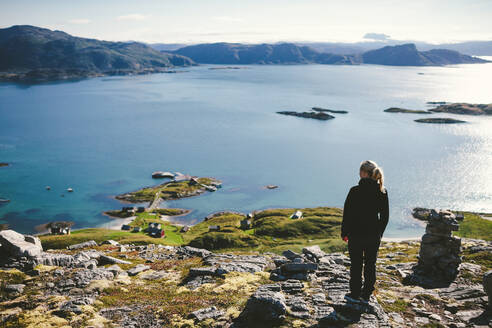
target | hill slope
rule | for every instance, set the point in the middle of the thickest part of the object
(30, 51)
(289, 53)
(408, 55)
(283, 53)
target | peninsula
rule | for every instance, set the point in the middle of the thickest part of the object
(32, 54)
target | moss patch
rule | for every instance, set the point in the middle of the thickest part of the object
(474, 226)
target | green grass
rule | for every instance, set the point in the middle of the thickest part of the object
(483, 258)
(398, 305)
(273, 230)
(474, 226)
(99, 235)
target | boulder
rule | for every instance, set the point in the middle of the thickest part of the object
(265, 306)
(139, 268)
(313, 252)
(17, 245)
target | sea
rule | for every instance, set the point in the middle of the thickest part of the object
(105, 136)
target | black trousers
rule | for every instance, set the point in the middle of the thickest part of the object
(363, 251)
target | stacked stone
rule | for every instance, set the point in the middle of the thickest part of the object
(439, 256)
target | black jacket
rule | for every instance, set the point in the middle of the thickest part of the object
(366, 211)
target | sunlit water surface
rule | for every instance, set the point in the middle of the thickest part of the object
(105, 136)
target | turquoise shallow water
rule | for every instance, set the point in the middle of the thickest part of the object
(106, 136)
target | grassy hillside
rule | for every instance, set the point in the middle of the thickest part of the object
(272, 230)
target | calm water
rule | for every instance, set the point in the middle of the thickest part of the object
(106, 136)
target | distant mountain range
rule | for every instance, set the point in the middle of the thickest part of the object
(472, 48)
(34, 53)
(289, 53)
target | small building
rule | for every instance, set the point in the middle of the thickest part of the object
(126, 227)
(157, 233)
(249, 216)
(185, 229)
(211, 188)
(214, 228)
(245, 224)
(137, 229)
(129, 210)
(59, 227)
(58, 230)
(296, 215)
(162, 175)
(140, 209)
(154, 225)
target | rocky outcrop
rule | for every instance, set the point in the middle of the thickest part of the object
(439, 256)
(17, 245)
(184, 287)
(464, 108)
(322, 116)
(439, 120)
(85, 244)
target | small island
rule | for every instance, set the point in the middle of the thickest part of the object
(404, 110)
(4, 164)
(464, 109)
(439, 120)
(319, 109)
(181, 187)
(314, 115)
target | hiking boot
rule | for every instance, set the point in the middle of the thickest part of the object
(365, 298)
(351, 297)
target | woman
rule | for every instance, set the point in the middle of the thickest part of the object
(365, 216)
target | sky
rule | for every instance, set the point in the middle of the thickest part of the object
(251, 21)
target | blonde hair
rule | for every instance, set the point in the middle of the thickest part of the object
(374, 172)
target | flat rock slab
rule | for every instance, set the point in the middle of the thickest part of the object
(193, 251)
(90, 243)
(290, 268)
(105, 259)
(206, 313)
(14, 288)
(139, 268)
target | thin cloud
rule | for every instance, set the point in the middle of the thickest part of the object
(132, 17)
(79, 21)
(228, 19)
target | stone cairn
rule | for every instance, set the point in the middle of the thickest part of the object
(439, 256)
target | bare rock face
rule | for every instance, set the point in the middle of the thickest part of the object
(17, 245)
